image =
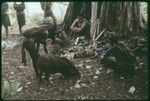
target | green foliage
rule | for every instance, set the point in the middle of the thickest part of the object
(5, 89)
(9, 87)
(14, 86)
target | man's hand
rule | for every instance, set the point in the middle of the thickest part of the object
(137, 58)
(76, 29)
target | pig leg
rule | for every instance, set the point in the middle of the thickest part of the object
(20, 30)
(7, 32)
(35, 67)
(51, 35)
(47, 76)
(38, 45)
(23, 55)
(36, 72)
(40, 75)
(53, 39)
(45, 48)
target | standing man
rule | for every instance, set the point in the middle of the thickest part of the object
(47, 8)
(5, 17)
(19, 7)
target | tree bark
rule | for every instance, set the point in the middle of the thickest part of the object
(93, 19)
(73, 10)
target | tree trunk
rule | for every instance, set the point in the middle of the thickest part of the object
(93, 20)
(120, 17)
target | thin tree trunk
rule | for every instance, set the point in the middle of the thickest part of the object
(93, 18)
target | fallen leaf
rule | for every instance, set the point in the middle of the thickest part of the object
(132, 89)
(95, 77)
(19, 89)
(97, 72)
(88, 67)
(88, 60)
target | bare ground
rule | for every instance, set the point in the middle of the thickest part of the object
(105, 87)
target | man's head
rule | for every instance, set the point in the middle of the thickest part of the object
(80, 17)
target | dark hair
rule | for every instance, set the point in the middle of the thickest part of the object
(113, 39)
(80, 15)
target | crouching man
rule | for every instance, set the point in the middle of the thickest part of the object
(80, 27)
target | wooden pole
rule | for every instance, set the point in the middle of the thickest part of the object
(93, 18)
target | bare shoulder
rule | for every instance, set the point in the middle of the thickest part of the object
(76, 20)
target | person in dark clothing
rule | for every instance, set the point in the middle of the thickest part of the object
(80, 26)
(20, 14)
(119, 58)
(5, 17)
(46, 7)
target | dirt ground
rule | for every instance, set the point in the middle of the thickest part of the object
(101, 86)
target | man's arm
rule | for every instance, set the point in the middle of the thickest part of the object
(84, 24)
(73, 25)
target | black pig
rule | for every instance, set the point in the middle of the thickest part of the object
(50, 64)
